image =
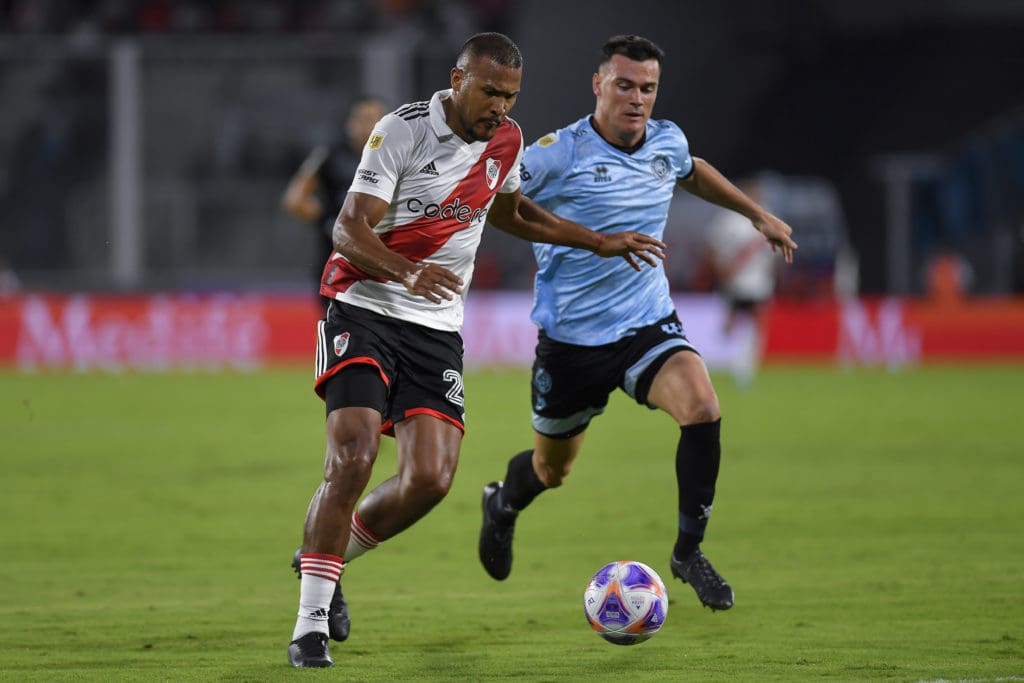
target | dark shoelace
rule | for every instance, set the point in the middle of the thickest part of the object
(706, 572)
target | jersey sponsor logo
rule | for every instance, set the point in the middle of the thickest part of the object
(341, 344)
(429, 169)
(601, 174)
(492, 171)
(455, 209)
(547, 140)
(376, 140)
(367, 176)
(660, 167)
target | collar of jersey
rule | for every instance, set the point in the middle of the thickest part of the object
(625, 150)
(441, 129)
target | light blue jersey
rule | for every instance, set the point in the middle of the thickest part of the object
(579, 297)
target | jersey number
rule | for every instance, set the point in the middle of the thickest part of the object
(454, 394)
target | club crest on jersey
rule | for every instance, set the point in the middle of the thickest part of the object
(340, 344)
(492, 171)
(660, 167)
(542, 381)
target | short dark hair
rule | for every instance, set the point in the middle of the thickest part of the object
(495, 46)
(637, 48)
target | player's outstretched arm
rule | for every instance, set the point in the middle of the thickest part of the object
(520, 216)
(710, 185)
(355, 239)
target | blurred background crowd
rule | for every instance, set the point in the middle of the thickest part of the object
(145, 145)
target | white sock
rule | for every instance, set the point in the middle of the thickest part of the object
(320, 573)
(745, 362)
(361, 540)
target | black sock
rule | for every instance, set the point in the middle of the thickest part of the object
(521, 484)
(697, 458)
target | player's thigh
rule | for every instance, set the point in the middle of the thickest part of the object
(428, 451)
(682, 388)
(355, 363)
(353, 439)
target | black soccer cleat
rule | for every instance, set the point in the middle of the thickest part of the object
(310, 651)
(711, 588)
(496, 536)
(338, 621)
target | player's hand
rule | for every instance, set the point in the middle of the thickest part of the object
(632, 245)
(433, 282)
(777, 233)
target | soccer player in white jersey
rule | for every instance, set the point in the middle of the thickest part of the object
(389, 358)
(745, 272)
(603, 326)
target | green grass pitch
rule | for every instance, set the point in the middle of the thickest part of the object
(870, 522)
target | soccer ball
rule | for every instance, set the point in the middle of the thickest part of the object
(626, 602)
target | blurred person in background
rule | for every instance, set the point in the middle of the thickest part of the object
(948, 276)
(9, 280)
(745, 271)
(390, 353)
(602, 326)
(317, 191)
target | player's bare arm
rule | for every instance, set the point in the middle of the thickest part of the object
(520, 216)
(710, 185)
(355, 239)
(300, 197)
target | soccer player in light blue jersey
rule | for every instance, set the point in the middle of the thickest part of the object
(603, 324)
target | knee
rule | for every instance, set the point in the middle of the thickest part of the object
(351, 455)
(429, 486)
(553, 475)
(703, 408)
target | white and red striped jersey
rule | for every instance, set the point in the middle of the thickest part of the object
(439, 188)
(743, 258)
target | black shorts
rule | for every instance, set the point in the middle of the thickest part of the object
(571, 383)
(396, 367)
(745, 305)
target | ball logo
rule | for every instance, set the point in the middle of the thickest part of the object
(493, 169)
(341, 343)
